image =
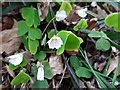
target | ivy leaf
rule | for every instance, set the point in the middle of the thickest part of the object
(40, 56)
(22, 28)
(40, 84)
(34, 33)
(23, 63)
(113, 20)
(21, 78)
(103, 44)
(47, 70)
(82, 24)
(66, 6)
(75, 62)
(33, 45)
(83, 72)
(31, 16)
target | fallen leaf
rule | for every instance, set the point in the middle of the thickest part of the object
(9, 41)
(7, 23)
(43, 8)
(89, 85)
(12, 74)
(92, 23)
(56, 64)
(73, 18)
(113, 64)
(74, 52)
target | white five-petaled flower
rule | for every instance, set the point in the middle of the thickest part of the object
(82, 12)
(60, 15)
(16, 59)
(55, 42)
(40, 73)
(93, 4)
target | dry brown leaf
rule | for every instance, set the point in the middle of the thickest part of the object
(12, 74)
(7, 23)
(100, 66)
(56, 64)
(9, 41)
(89, 85)
(73, 52)
(113, 64)
(43, 8)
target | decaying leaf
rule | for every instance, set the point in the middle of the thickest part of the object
(73, 18)
(74, 52)
(7, 23)
(113, 64)
(9, 41)
(43, 8)
(56, 64)
(89, 85)
(12, 74)
(100, 66)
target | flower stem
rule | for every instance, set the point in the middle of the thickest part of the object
(48, 24)
(53, 20)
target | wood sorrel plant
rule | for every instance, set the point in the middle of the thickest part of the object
(31, 37)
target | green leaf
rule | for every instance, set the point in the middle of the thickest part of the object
(63, 35)
(83, 72)
(82, 24)
(70, 41)
(40, 84)
(94, 34)
(24, 41)
(47, 70)
(43, 42)
(102, 44)
(66, 6)
(34, 33)
(23, 63)
(31, 16)
(12, 67)
(34, 71)
(75, 62)
(33, 45)
(73, 42)
(51, 33)
(22, 28)
(40, 56)
(21, 78)
(113, 20)
(97, 34)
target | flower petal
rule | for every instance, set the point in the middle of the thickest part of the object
(16, 59)
(60, 15)
(82, 12)
(93, 4)
(40, 74)
(55, 42)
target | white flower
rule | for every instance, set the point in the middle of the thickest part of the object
(55, 42)
(16, 59)
(93, 4)
(60, 15)
(40, 73)
(82, 12)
